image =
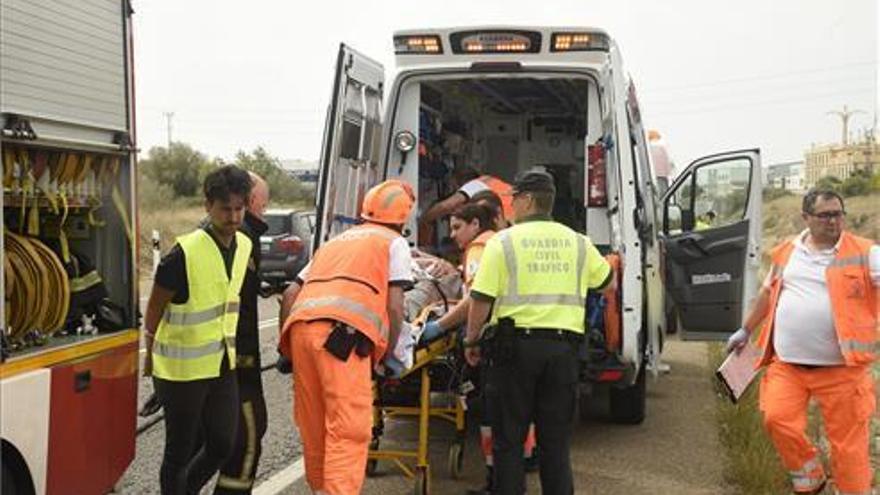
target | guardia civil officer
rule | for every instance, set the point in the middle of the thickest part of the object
(532, 286)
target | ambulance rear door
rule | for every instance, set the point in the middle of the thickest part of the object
(711, 240)
(351, 149)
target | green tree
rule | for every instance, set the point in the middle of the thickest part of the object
(283, 188)
(180, 168)
(858, 183)
(829, 182)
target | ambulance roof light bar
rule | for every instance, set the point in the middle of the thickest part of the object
(420, 44)
(579, 42)
(495, 41)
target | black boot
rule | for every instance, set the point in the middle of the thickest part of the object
(488, 487)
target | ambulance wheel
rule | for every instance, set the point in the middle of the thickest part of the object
(627, 404)
(422, 482)
(455, 461)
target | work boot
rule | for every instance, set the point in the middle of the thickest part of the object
(487, 488)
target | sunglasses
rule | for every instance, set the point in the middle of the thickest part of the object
(829, 215)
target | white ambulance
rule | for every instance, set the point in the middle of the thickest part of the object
(505, 99)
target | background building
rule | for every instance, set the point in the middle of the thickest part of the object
(788, 175)
(840, 160)
(304, 171)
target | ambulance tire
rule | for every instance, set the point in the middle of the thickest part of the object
(627, 404)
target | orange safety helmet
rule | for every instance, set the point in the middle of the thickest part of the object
(390, 202)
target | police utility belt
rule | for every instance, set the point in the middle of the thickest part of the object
(498, 340)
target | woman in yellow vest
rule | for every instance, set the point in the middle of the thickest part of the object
(189, 331)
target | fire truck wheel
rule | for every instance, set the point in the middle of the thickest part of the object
(8, 480)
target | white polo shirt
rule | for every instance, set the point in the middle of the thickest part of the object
(804, 325)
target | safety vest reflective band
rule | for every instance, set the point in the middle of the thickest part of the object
(184, 318)
(853, 299)
(176, 352)
(336, 302)
(808, 477)
(348, 282)
(545, 264)
(504, 192)
(79, 284)
(193, 337)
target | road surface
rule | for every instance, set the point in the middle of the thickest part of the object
(674, 451)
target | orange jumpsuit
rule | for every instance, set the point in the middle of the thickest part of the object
(845, 393)
(347, 282)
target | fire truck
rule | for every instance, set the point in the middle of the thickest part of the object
(68, 373)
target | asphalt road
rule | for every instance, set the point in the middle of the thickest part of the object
(674, 451)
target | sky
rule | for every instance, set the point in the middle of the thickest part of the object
(711, 75)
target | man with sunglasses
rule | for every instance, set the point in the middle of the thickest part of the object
(819, 308)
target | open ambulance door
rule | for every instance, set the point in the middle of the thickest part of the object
(351, 149)
(710, 242)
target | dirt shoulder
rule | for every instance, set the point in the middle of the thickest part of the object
(676, 449)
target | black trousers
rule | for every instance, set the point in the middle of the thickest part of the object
(194, 410)
(540, 385)
(239, 472)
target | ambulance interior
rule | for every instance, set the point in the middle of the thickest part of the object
(503, 125)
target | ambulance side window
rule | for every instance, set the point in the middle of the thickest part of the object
(714, 195)
(721, 194)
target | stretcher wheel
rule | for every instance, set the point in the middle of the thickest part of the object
(455, 460)
(373, 464)
(422, 481)
(372, 467)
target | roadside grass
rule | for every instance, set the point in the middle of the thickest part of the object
(172, 219)
(751, 462)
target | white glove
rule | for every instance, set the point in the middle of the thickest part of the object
(737, 341)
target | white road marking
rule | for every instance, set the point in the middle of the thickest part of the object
(282, 479)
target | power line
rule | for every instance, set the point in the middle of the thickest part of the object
(770, 102)
(758, 78)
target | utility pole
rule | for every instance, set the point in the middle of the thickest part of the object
(168, 117)
(844, 117)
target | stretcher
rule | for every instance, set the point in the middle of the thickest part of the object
(437, 368)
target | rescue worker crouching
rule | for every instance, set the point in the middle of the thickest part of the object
(469, 183)
(190, 328)
(532, 286)
(239, 471)
(339, 318)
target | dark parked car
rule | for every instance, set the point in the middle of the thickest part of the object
(285, 245)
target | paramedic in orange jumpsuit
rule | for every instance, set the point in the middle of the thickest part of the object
(341, 316)
(469, 183)
(820, 304)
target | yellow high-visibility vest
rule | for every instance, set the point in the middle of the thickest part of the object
(192, 337)
(539, 273)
